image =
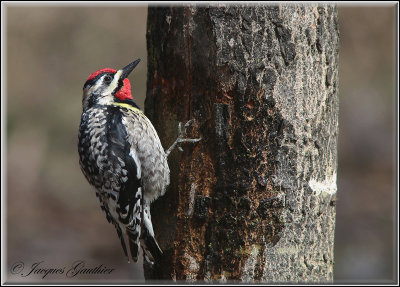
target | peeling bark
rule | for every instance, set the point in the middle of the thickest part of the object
(254, 201)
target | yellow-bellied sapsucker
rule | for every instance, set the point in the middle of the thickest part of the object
(122, 157)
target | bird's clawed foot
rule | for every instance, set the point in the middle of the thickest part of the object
(181, 134)
(181, 139)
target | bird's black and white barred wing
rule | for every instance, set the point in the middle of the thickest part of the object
(149, 153)
(150, 158)
(125, 202)
(107, 164)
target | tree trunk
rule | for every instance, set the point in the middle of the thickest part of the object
(254, 200)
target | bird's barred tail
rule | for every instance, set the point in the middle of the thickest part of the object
(150, 247)
(148, 242)
(133, 241)
(130, 244)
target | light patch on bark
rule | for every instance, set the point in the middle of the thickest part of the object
(193, 265)
(192, 24)
(168, 19)
(223, 278)
(249, 266)
(327, 186)
(208, 277)
(193, 268)
(191, 197)
(273, 272)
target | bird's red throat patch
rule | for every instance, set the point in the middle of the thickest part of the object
(125, 92)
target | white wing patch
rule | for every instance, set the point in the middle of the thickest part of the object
(134, 156)
(147, 219)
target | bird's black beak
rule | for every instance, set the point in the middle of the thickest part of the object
(128, 69)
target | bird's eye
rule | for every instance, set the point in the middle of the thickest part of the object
(107, 79)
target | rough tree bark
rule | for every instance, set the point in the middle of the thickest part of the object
(255, 199)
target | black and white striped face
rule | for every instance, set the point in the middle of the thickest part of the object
(101, 89)
(104, 85)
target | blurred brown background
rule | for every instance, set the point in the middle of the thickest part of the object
(53, 216)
